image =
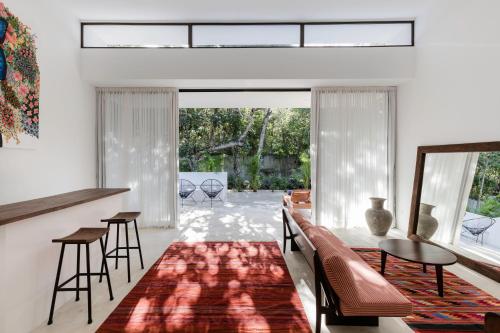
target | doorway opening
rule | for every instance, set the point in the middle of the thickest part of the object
(238, 153)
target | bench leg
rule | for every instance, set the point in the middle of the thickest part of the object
(284, 237)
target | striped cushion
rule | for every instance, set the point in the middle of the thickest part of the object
(362, 290)
(302, 221)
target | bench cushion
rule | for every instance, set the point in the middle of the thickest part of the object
(362, 291)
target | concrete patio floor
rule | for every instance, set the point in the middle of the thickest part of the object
(243, 216)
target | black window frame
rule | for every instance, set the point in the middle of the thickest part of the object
(191, 24)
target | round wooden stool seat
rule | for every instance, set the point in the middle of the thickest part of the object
(83, 236)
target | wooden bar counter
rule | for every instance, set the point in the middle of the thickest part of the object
(31, 208)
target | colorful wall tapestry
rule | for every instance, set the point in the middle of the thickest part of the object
(19, 83)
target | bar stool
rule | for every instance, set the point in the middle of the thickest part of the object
(81, 236)
(122, 218)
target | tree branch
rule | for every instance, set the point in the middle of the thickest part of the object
(235, 143)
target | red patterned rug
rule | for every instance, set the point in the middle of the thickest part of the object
(461, 310)
(213, 287)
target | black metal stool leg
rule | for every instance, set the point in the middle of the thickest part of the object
(128, 252)
(138, 243)
(105, 264)
(77, 272)
(105, 247)
(117, 244)
(89, 289)
(56, 285)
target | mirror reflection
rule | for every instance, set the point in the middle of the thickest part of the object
(460, 202)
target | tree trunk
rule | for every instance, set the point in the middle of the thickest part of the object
(236, 162)
(265, 122)
(486, 164)
(263, 132)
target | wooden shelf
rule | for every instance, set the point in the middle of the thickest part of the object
(31, 208)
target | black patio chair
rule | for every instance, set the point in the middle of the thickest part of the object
(212, 189)
(477, 226)
(186, 190)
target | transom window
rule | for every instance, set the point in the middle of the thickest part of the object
(247, 35)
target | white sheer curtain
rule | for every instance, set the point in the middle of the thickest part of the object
(352, 152)
(447, 183)
(137, 148)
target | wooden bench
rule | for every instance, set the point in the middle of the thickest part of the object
(348, 291)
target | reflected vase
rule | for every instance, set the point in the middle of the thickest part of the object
(379, 220)
(427, 224)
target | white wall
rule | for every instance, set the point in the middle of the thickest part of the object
(454, 97)
(64, 159)
(180, 66)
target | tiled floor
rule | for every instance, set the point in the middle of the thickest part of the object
(246, 216)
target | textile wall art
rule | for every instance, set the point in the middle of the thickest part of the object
(19, 83)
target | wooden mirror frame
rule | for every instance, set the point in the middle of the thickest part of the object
(475, 265)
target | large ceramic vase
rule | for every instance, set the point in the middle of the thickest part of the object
(427, 224)
(379, 219)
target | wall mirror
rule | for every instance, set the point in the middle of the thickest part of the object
(456, 203)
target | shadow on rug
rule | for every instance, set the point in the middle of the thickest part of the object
(213, 287)
(461, 309)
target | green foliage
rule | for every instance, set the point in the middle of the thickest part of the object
(235, 182)
(287, 138)
(184, 165)
(487, 177)
(491, 207)
(239, 184)
(296, 180)
(305, 167)
(211, 163)
(486, 185)
(254, 171)
(287, 133)
(278, 183)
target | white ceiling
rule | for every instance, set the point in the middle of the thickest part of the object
(237, 10)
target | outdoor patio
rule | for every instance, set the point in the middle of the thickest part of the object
(250, 215)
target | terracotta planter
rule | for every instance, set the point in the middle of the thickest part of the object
(379, 220)
(427, 224)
